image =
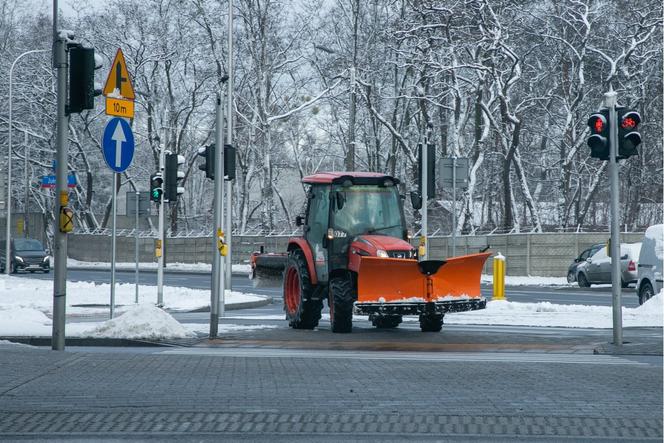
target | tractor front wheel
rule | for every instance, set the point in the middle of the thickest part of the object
(431, 322)
(340, 300)
(301, 311)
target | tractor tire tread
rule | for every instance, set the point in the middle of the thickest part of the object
(308, 313)
(342, 296)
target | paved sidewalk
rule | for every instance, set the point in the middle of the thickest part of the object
(184, 393)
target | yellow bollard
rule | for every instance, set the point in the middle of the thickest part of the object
(499, 277)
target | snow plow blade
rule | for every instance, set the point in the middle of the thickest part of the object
(267, 270)
(454, 284)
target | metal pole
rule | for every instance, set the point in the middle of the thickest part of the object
(454, 159)
(217, 283)
(138, 195)
(424, 152)
(350, 160)
(160, 259)
(61, 192)
(610, 100)
(27, 186)
(114, 210)
(229, 140)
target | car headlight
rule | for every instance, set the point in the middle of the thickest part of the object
(19, 259)
(381, 253)
(45, 259)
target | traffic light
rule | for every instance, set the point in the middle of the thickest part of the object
(628, 136)
(156, 187)
(207, 152)
(173, 177)
(82, 67)
(229, 162)
(600, 134)
(431, 170)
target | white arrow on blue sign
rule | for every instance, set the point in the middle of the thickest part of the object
(118, 144)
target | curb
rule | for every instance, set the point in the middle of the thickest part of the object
(232, 307)
(82, 341)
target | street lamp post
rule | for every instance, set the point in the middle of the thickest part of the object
(9, 160)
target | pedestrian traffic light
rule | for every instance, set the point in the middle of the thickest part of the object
(600, 134)
(229, 162)
(207, 152)
(173, 177)
(431, 170)
(82, 67)
(628, 136)
(156, 187)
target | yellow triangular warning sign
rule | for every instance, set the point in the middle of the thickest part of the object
(118, 83)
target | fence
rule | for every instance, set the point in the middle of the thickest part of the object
(546, 255)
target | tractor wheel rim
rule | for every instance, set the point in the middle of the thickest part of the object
(292, 292)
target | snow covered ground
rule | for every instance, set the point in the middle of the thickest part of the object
(25, 304)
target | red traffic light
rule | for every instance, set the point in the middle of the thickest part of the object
(597, 123)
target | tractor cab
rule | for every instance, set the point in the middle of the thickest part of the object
(349, 216)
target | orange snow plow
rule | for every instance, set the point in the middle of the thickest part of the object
(391, 284)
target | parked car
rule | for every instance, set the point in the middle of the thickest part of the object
(597, 268)
(26, 254)
(650, 263)
(573, 268)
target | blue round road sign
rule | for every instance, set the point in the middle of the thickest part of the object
(118, 144)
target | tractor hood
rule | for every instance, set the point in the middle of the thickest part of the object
(385, 242)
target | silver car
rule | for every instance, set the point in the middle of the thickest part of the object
(650, 263)
(597, 268)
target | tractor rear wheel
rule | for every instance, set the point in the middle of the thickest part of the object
(431, 322)
(340, 300)
(301, 311)
(386, 321)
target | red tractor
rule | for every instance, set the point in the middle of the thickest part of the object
(355, 253)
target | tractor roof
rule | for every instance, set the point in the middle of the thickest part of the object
(360, 178)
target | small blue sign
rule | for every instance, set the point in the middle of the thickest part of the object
(118, 144)
(48, 181)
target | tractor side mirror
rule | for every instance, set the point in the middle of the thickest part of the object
(299, 220)
(341, 200)
(416, 200)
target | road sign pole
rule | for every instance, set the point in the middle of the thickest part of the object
(217, 283)
(138, 196)
(61, 194)
(113, 225)
(160, 259)
(454, 163)
(610, 101)
(229, 141)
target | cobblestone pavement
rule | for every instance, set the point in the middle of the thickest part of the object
(206, 393)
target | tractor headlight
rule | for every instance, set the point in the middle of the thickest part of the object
(381, 253)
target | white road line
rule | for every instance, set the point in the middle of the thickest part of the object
(496, 357)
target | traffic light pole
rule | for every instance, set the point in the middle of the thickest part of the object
(61, 192)
(610, 101)
(160, 259)
(217, 276)
(424, 152)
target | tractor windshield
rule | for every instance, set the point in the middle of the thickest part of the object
(367, 209)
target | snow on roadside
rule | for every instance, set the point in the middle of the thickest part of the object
(89, 297)
(515, 280)
(192, 267)
(569, 316)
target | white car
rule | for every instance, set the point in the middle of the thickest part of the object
(650, 263)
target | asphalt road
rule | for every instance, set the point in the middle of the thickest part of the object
(596, 295)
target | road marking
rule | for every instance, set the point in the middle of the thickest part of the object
(496, 357)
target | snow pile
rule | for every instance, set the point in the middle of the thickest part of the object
(140, 322)
(502, 312)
